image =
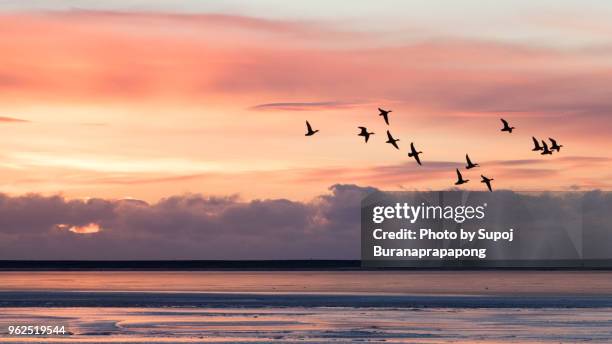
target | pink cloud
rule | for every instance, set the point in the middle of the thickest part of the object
(4, 119)
(90, 228)
(126, 56)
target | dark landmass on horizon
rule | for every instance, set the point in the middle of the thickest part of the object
(271, 265)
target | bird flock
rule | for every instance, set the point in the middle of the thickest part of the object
(414, 153)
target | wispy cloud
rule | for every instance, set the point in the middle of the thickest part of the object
(306, 106)
(282, 59)
(526, 174)
(12, 120)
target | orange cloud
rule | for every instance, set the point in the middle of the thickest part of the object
(89, 228)
(128, 57)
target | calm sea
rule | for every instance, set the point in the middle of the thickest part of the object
(309, 307)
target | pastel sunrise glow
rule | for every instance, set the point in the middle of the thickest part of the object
(152, 99)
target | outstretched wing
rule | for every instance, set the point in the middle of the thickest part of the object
(458, 174)
(386, 117)
(553, 141)
(418, 160)
(535, 142)
(467, 158)
(487, 181)
(389, 136)
(505, 123)
(308, 126)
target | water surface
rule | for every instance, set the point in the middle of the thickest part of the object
(310, 307)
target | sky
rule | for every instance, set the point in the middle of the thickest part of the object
(149, 100)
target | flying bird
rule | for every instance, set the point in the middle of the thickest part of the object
(460, 179)
(536, 145)
(364, 133)
(554, 145)
(391, 140)
(310, 131)
(487, 181)
(385, 114)
(414, 154)
(545, 150)
(506, 127)
(469, 163)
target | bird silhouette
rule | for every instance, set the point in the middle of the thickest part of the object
(460, 179)
(385, 114)
(536, 145)
(310, 132)
(414, 154)
(487, 181)
(545, 150)
(554, 145)
(364, 133)
(391, 140)
(506, 127)
(469, 163)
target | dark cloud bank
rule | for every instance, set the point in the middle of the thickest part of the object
(183, 227)
(195, 227)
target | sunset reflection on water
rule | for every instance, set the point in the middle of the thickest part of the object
(285, 319)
